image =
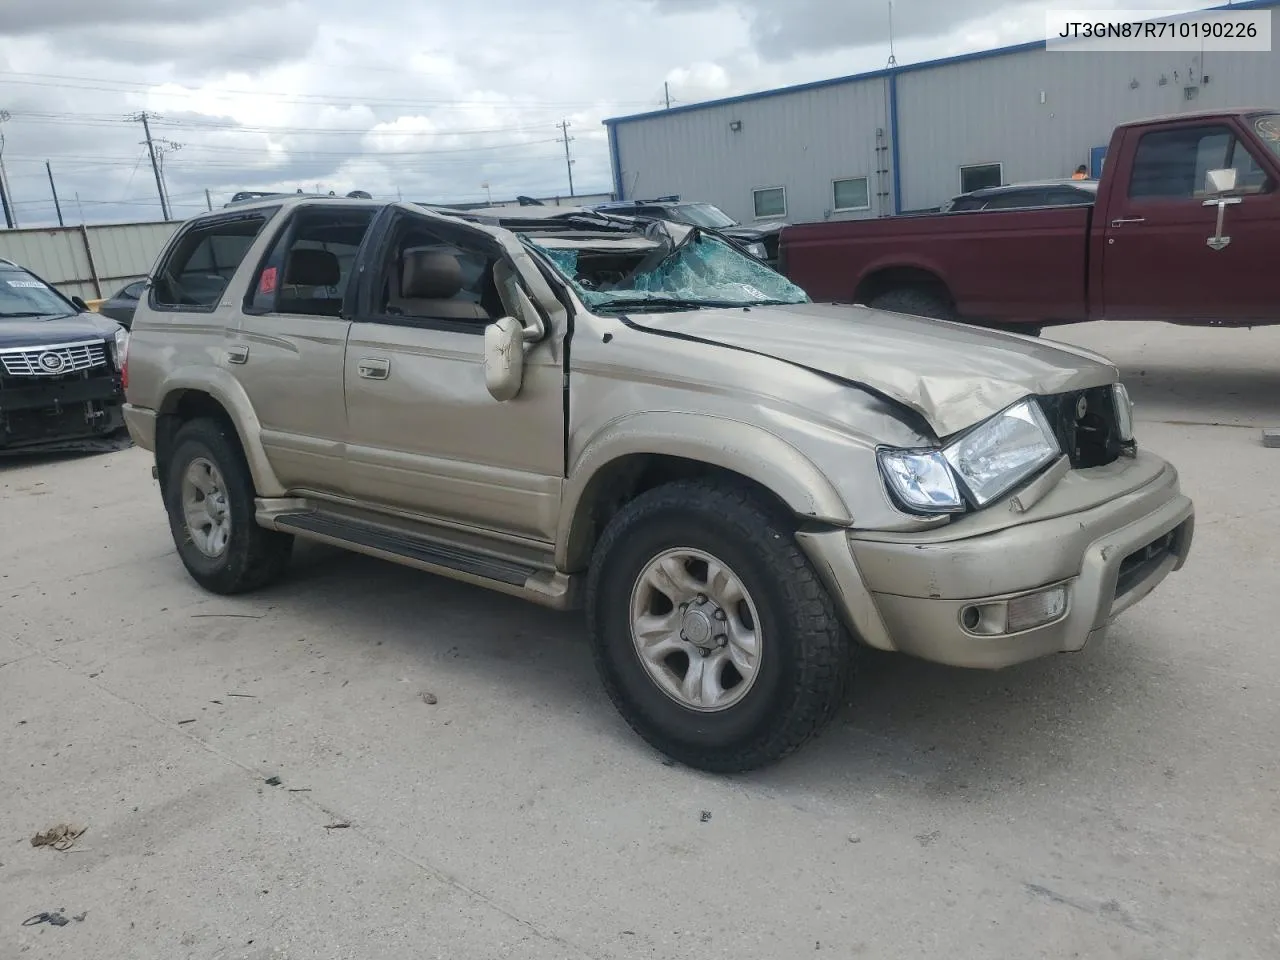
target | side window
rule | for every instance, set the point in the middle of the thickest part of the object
(1250, 175)
(1070, 198)
(307, 270)
(1016, 199)
(202, 262)
(429, 276)
(1171, 164)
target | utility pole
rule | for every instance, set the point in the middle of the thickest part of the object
(208, 200)
(56, 205)
(9, 214)
(666, 93)
(568, 160)
(155, 164)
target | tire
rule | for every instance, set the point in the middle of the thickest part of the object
(803, 665)
(916, 301)
(250, 556)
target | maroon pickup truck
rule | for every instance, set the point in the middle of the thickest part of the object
(1185, 228)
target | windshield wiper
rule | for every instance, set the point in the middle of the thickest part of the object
(33, 313)
(673, 303)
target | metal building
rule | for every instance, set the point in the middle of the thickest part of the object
(910, 137)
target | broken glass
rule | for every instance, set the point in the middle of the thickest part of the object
(703, 271)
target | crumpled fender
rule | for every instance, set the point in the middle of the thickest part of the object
(732, 445)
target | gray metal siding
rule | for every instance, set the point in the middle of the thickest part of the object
(121, 253)
(989, 110)
(979, 109)
(801, 142)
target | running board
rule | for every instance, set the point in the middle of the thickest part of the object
(548, 588)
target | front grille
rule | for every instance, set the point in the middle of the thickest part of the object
(1091, 439)
(54, 361)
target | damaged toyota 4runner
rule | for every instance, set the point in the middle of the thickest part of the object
(60, 384)
(637, 418)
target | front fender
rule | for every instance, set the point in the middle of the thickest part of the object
(227, 391)
(731, 445)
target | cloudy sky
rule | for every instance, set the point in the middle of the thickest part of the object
(428, 100)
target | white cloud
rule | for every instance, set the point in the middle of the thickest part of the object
(426, 100)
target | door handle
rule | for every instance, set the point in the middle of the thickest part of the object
(1116, 223)
(374, 368)
(238, 353)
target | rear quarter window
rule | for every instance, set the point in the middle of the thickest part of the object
(198, 267)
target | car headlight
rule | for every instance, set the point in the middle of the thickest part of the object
(985, 463)
(758, 250)
(1124, 412)
(1003, 452)
(921, 480)
(121, 347)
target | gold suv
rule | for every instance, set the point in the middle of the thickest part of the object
(641, 419)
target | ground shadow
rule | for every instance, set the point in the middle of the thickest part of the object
(910, 726)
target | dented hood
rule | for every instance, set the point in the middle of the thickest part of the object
(952, 375)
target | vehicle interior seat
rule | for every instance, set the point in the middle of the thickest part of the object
(430, 281)
(307, 268)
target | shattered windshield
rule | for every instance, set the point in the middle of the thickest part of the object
(633, 272)
(22, 295)
(704, 215)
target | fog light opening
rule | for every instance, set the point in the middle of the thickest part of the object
(984, 619)
(970, 617)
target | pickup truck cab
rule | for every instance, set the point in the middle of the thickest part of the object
(636, 418)
(1162, 241)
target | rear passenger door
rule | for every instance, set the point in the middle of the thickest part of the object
(426, 437)
(287, 351)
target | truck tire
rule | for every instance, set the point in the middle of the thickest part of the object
(916, 301)
(209, 496)
(713, 636)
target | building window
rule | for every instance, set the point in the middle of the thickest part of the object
(979, 176)
(770, 202)
(853, 193)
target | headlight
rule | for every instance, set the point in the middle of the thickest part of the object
(121, 347)
(1003, 452)
(985, 463)
(758, 250)
(921, 480)
(1124, 412)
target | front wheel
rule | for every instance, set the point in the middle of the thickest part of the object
(713, 635)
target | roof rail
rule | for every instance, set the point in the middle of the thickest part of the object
(249, 196)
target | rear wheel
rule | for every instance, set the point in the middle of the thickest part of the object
(917, 301)
(209, 496)
(713, 635)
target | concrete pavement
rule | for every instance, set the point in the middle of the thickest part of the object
(1122, 802)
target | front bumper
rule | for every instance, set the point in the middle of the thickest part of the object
(1106, 557)
(45, 415)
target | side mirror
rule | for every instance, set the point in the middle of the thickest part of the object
(1220, 181)
(504, 358)
(80, 304)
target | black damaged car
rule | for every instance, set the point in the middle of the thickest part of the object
(59, 369)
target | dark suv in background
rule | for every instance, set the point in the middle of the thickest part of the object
(1018, 196)
(760, 240)
(60, 386)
